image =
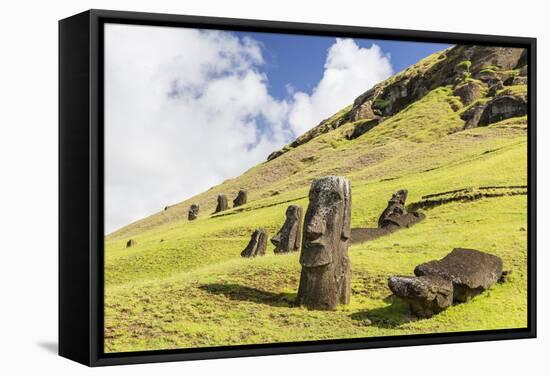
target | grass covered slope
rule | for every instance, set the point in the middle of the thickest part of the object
(185, 285)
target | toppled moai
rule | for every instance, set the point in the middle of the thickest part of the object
(395, 215)
(240, 199)
(457, 277)
(257, 244)
(193, 212)
(326, 268)
(290, 235)
(222, 204)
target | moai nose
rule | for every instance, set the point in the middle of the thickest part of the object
(315, 228)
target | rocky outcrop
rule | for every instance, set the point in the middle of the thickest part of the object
(426, 295)
(362, 128)
(468, 92)
(472, 116)
(257, 245)
(501, 108)
(131, 243)
(326, 267)
(470, 271)
(193, 212)
(289, 237)
(222, 204)
(240, 199)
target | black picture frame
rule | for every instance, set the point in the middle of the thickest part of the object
(81, 186)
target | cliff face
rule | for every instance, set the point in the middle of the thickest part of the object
(488, 82)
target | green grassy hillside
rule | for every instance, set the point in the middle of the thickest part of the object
(185, 285)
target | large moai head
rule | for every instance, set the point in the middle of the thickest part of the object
(327, 221)
(326, 268)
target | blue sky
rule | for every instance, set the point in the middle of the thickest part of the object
(186, 109)
(298, 60)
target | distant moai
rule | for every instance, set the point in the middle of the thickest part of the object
(222, 204)
(395, 208)
(240, 199)
(326, 267)
(131, 243)
(193, 212)
(257, 244)
(290, 235)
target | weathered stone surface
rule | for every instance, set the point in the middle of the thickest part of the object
(131, 243)
(516, 80)
(501, 108)
(222, 204)
(257, 244)
(395, 208)
(193, 212)
(523, 70)
(326, 267)
(468, 92)
(472, 116)
(494, 88)
(240, 199)
(275, 154)
(426, 295)
(290, 235)
(363, 128)
(470, 271)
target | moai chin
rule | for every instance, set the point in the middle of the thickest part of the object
(326, 268)
(290, 235)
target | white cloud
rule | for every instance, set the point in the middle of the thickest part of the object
(349, 71)
(186, 109)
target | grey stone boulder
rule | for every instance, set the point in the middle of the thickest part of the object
(468, 92)
(470, 271)
(257, 244)
(426, 295)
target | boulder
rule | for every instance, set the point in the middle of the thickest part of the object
(495, 88)
(326, 267)
(516, 80)
(131, 243)
(470, 271)
(275, 154)
(503, 107)
(426, 295)
(193, 212)
(290, 235)
(468, 92)
(222, 204)
(257, 244)
(240, 199)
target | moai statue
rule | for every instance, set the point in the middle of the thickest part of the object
(193, 212)
(240, 199)
(257, 244)
(290, 235)
(394, 210)
(222, 204)
(326, 267)
(131, 243)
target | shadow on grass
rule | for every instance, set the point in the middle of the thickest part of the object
(388, 317)
(235, 291)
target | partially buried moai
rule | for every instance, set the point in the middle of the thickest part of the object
(257, 244)
(240, 199)
(290, 235)
(395, 209)
(222, 204)
(193, 212)
(326, 268)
